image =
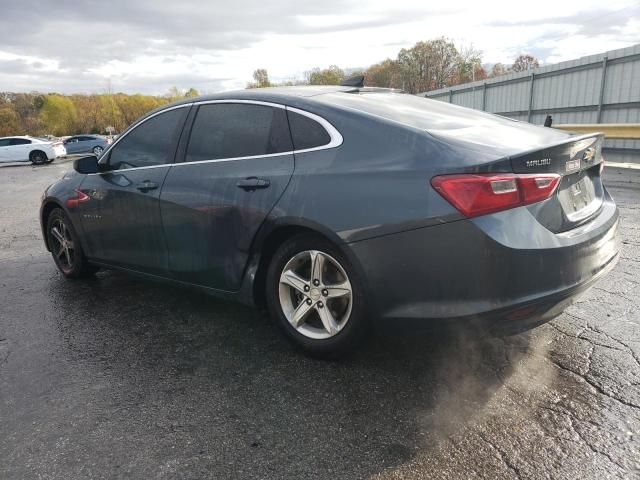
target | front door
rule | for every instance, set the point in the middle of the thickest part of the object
(237, 164)
(121, 220)
(71, 145)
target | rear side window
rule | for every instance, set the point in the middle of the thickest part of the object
(229, 130)
(306, 132)
(19, 141)
(151, 143)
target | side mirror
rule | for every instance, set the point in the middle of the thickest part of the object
(86, 165)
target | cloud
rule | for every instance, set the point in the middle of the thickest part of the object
(150, 45)
(596, 22)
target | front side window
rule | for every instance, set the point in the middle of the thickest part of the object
(4, 142)
(149, 144)
(230, 130)
(306, 132)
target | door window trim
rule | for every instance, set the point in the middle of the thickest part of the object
(107, 152)
(334, 135)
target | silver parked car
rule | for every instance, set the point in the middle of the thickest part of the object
(86, 143)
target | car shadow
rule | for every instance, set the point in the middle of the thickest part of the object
(19, 164)
(213, 386)
(59, 160)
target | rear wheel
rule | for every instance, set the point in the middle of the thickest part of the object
(97, 150)
(65, 246)
(38, 157)
(316, 297)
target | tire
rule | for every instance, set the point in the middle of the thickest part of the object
(38, 157)
(67, 255)
(315, 333)
(97, 150)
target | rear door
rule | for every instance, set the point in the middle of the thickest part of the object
(121, 220)
(20, 148)
(236, 164)
(580, 194)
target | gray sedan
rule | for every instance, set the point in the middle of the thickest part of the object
(341, 208)
(86, 144)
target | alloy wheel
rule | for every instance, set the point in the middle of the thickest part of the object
(97, 151)
(38, 158)
(315, 294)
(63, 246)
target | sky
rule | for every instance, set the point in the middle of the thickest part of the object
(148, 46)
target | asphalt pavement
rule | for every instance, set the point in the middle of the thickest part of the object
(116, 377)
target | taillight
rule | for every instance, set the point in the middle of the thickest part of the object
(481, 193)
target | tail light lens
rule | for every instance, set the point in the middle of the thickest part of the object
(482, 193)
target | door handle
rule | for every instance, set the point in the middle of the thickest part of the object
(253, 183)
(147, 185)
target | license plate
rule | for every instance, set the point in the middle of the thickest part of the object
(572, 165)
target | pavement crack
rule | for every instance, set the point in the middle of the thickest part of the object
(589, 359)
(501, 455)
(594, 385)
(617, 294)
(582, 438)
(623, 346)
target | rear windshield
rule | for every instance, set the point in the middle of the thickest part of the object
(418, 112)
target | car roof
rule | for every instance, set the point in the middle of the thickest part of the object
(283, 93)
(300, 95)
(26, 137)
(270, 93)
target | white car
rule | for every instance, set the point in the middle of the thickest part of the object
(30, 149)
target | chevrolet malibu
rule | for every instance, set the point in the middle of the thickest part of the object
(342, 208)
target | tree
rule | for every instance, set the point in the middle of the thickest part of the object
(428, 65)
(329, 76)
(385, 74)
(27, 107)
(9, 124)
(37, 114)
(192, 92)
(110, 114)
(58, 114)
(173, 94)
(133, 107)
(260, 79)
(525, 62)
(469, 66)
(499, 69)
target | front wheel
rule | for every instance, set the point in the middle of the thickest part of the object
(65, 246)
(316, 297)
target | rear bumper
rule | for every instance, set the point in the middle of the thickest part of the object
(59, 152)
(503, 271)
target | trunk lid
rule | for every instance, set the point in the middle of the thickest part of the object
(580, 194)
